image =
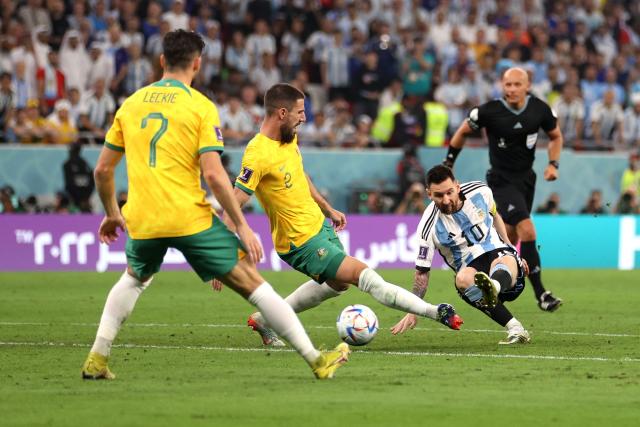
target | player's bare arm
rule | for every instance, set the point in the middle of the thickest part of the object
(555, 148)
(338, 218)
(501, 228)
(105, 184)
(217, 179)
(420, 285)
(457, 142)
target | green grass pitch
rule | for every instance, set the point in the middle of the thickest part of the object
(185, 357)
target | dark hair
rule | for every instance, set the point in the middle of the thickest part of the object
(180, 47)
(281, 95)
(438, 174)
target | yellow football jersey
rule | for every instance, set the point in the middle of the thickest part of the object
(274, 171)
(163, 128)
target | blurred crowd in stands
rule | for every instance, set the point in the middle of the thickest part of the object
(378, 73)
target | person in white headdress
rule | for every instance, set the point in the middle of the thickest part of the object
(40, 40)
(74, 60)
(101, 66)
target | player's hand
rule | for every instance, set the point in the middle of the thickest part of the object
(338, 219)
(550, 173)
(216, 285)
(250, 242)
(408, 322)
(108, 231)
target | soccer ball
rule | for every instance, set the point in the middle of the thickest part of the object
(357, 324)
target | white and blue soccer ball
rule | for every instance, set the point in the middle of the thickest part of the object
(357, 325)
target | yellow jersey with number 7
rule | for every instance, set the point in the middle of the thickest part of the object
(163, 129)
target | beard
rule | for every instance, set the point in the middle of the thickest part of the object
(287, 134)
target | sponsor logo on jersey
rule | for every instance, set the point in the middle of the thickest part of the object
(518, 126)
(245, 176)
(510, 208)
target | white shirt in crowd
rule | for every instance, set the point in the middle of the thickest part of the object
(569, 113)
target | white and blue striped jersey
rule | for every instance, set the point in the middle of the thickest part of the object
(462, 236)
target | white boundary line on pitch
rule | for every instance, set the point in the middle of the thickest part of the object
(367, 352)
(215, 325)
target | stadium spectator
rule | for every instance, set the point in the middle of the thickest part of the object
(138, 71)
(75, 104)
(97, 112)
(292, 48)
(341, 129)
(259, 43)
(74, 60)
(630, 181)
(315, 133)
(570, 111)
(453, 94)
(266, 75)
(631, 124)
(211, 55)
(101, 66)
(32, 14)
(236, 122)
(606, 121)
(362, 137)
(23, 85)
(368, 85)
(408, 124)
(60, 127)
(7, 104)
(417, 69)
(51, 82)
(28, 126)
(594, 204)
(177, 17)
(78, 179)
(335, 67)
(236, 55)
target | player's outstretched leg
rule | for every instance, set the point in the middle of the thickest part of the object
(119, 305)
(396, 297)
(245, 280)
(308, 295)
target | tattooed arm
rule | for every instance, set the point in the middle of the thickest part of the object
(420, 285)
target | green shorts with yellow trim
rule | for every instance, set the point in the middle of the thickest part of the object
(319, 257)
(211, 253)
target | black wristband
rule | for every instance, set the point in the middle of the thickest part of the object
(555, 163)
(452, 155)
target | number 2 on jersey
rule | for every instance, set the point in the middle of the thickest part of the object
(156, 136)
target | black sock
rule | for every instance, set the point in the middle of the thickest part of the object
(504, 278)
(529, 252)
(499, 314)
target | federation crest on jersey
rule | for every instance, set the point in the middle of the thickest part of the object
(322, 252)
(245, 175)
(480, 213)
(218, 132)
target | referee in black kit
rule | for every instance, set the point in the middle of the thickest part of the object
(512, 125)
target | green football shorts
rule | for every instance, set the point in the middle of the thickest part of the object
(211, 253)
(319, 257)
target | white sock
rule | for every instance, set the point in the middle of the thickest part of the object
(119, 305)
(394, 296)
(514, 325)
(280, 316)
(310, 294)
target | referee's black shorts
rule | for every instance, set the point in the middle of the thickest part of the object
(513, 193)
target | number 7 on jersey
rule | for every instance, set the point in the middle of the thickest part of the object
(156, 136)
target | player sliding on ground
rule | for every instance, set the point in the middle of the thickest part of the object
(170, 133)
(272, 168)
(462, 223)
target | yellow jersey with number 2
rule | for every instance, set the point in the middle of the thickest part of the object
(162, 129)
(274, 171)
